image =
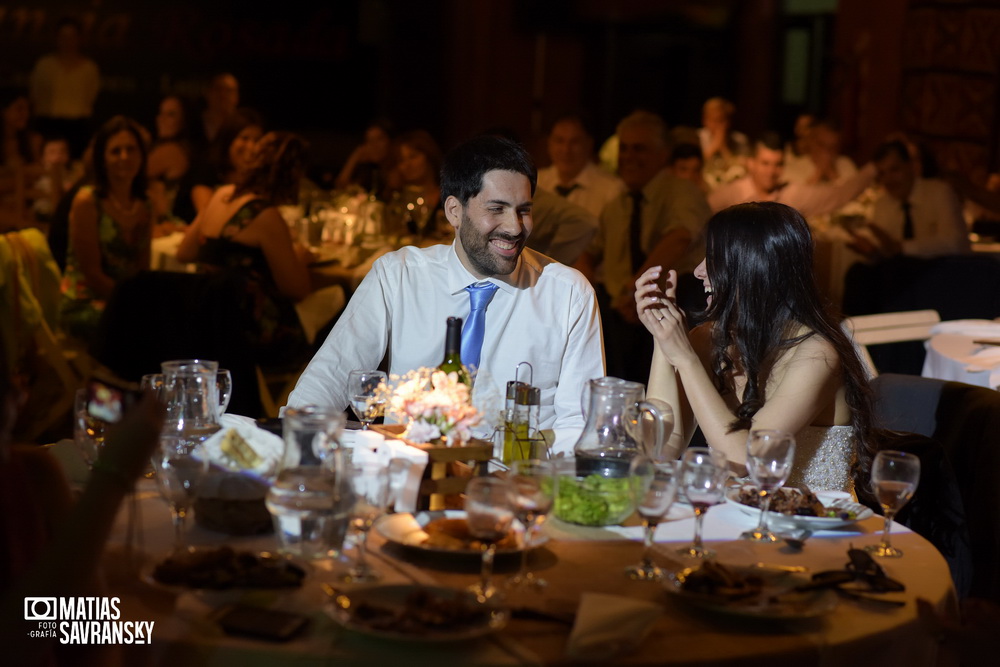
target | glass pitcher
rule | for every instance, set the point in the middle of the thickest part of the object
(612, 435)
(192, 397)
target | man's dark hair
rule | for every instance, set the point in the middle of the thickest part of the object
(894, 147)
(576, 116)
(464, 167)
(769, 140)
(685, 151)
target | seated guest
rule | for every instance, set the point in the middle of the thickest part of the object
(686, 162)
(414, 178)
(228, 160)
(764, 182)
(57, 174)
(657, 221)
(49, 544)
(722, 147)
(169, 157)
(822, 161)
(530, 308)
(573, 174)
(768, 356)
(368, 164)
(561, 229)
(109, 226)
(915, 217)
(241, 231)
(222, 99)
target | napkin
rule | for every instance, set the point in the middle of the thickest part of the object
(404, 464)
(268, 446)
(975, 328)
(610, 624)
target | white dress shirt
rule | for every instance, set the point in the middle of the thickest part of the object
(938, 225)
(544, 313)
(58, 92)
(562, 230)
(595, 187)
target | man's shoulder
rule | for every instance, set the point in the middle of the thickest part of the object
(412, 256)
(598, 176)
(543, 269)
(932, 188)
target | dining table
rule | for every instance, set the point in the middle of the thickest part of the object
(587, 587)
(964, 351)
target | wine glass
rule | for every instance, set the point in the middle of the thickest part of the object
(895, 476)
(154, 382)
(770, 455)
(489, 514)
(703, 477)
(370, 486)
(532, 491)
(654, 486)
(88, 431)
(179, 468)
(362, 387)
(224, 382)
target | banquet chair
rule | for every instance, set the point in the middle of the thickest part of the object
(883, 328)
(30, 293)
(965, 421)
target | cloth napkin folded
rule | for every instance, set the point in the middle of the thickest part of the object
(405, 464)
(610, 624)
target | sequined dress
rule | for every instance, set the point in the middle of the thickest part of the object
(823, 458)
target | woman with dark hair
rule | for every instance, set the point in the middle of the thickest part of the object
(414, 179)
(169, 156)
(109, 226)
(230, 157)
(242, 232)
(768, 354)
(367, 164)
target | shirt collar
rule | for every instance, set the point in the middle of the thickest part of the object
(460, 277)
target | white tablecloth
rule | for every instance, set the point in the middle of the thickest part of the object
(953, 354)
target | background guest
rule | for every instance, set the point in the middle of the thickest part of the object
(58, 174)
(222, 99)
(109, 226)
(414, 179)
(687, 163)
(368, 164)
(722, 147)
(169, 157)
(64, 86)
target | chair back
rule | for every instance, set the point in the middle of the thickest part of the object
(883, 328)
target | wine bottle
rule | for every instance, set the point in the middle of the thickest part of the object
(453, 351)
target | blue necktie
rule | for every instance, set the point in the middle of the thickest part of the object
(480, 295)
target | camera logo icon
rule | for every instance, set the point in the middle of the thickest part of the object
(41, 609)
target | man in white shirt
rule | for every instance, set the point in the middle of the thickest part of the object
(657, 222)
(764, 182)
(540, 311)
(573, 173)
(915, 217)
(822, 161)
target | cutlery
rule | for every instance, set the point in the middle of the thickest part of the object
(796, 539)
(336, 595)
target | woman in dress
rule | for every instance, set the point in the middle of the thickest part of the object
(768, 354)
(242, 232)
(169, 158)
(414, 179)
(109, 226)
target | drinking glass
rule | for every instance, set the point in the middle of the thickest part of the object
(361, 387)
(370, 487)
(88, 431)
(703, 477)
(770, 455)
(312, 437)
(224, 382)
(532, 489)
(895, 476)
(310, 511)
(654, 486)
(154, 382)
(179, 467)
(489, 514)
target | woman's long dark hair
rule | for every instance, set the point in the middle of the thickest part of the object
(100, 168)
(279, 169)
(759, 258)
(218, 151)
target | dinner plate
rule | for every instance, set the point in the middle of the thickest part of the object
(427, 614)
(777, 600)
(830, 500)
(226, 592)
(407, 530)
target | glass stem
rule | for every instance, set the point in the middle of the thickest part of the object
(647, 552)
(362, 564)
(523, 573)
(765, 502)
(885, 528)
(486, 574)
(179, 516)
(699, 517)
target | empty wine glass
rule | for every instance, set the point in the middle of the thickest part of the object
(770, 455)
(532, 492)
(370, 486)
(895, 476)
(489, 514)
(362, 387)
(653, 486)
(154, 382)
(703, 477)
(179, 468)
(224, 382)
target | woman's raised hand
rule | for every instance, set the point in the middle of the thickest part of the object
(660, 314)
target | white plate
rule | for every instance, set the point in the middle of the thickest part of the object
(486, 617)
(831, 500)
(407, 530)
(777, 601)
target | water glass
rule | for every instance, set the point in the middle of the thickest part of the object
(369, 484)
(895, 476)
(310, 512)
(224, 383)
(770, 455)
(654, 487)
(312, 437)
(489, 514)
(88, 431)
(179, 468)
(532, 489)
(703, 476)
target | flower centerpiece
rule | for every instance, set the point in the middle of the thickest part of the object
(433, 405)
